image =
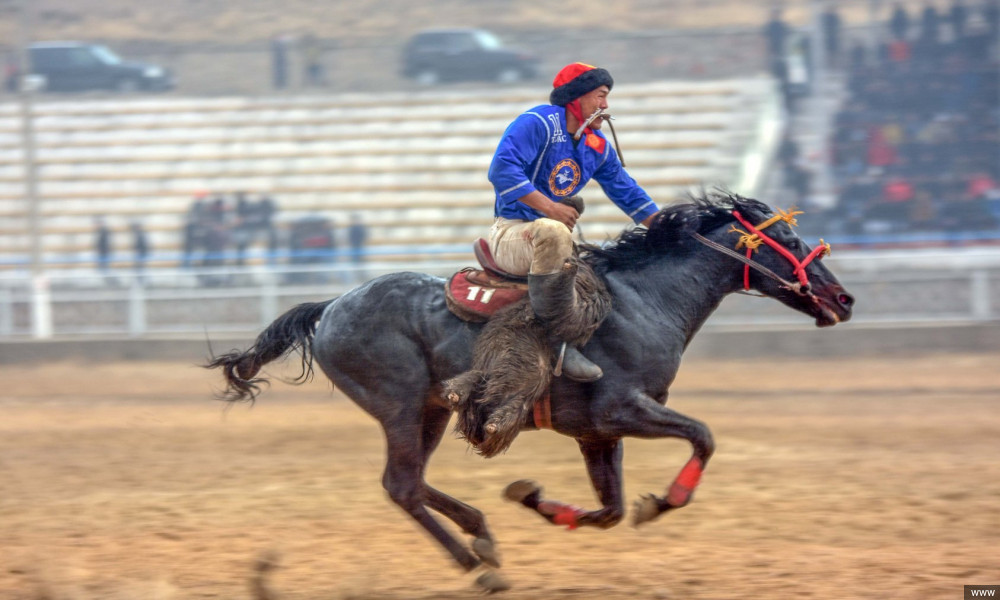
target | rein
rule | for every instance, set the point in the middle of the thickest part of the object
(599, 113)
(751, 241)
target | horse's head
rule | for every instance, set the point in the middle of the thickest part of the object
(779, 264)
(785, 267)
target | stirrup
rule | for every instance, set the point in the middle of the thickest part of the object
(595, 371)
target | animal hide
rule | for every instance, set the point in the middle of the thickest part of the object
(512, 364)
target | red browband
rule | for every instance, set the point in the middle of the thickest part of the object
(800, 267)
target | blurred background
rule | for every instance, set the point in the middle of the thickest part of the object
(175, 174)
(189, 167)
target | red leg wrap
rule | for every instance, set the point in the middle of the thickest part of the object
(687, 480)
(562, 514)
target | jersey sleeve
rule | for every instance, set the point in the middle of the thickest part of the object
(619, 186)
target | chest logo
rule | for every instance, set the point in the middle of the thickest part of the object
(564, 177)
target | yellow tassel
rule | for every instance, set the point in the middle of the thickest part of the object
(747, 240)
(788, 216)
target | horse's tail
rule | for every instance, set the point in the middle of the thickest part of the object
(291, 331)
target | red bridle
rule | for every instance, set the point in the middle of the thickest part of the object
(756, 236)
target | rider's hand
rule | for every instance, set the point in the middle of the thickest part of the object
(563, 213)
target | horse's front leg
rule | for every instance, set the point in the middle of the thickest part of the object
(604, 461)
(643, 417)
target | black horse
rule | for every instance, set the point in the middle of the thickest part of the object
(390, 344)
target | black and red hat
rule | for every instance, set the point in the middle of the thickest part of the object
(577, 79)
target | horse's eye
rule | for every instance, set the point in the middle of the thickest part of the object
(794, 245)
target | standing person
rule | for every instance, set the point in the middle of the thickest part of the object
(312, 60)
(265, 212)
(991, 14)
(958, 15)
(102, 247)
(357, 237)
(831, 34)
(11, 76)
(776, 33)
(242, 228)
(930, 26)
(140, 248)
(899, 22)
(539, 162)
(279, 62)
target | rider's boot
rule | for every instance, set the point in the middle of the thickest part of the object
(553, 298)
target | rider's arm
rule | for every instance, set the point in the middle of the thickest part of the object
(623, 190)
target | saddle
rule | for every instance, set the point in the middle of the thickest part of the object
(475, 295)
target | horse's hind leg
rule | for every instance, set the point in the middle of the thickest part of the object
(470, 519)
(403, 480)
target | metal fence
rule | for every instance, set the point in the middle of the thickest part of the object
(905, 287)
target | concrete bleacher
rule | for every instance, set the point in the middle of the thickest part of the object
(413, 166)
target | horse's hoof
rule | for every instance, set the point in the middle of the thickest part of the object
(521, 489)
(492, 582)
(454, 399)
(646, 509)
(491, 428)
(484, 549)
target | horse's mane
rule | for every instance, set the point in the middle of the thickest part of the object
(670, 231)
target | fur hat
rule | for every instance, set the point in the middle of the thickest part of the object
(577, 79)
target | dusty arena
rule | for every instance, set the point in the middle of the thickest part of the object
(838, 478)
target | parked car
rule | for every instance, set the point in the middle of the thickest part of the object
(79, 67)
(440, 55)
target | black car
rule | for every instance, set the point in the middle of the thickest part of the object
(439, 55)
(80, 67)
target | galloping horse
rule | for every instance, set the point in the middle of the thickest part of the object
(390, 344)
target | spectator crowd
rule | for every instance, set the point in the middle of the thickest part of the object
(916, 147)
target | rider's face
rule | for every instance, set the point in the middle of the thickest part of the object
(593, 100)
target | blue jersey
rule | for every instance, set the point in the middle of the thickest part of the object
(537, 153)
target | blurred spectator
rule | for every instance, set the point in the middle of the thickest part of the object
(10, 73)
(243, 227)
(776, 33)
(140, 249)
(312, 60)
(958, 16)
(279, 61)
(899, 51)
(102, 246)
(357, 237)
(266, 209)
(991, 14)
(930, 25)
(899, 23)
(981, 186)
(915, 146)
(831, 34)
(194, 227)
(311, 241)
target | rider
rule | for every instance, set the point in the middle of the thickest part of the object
(539, 162)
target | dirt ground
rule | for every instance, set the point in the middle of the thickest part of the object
(836, 479)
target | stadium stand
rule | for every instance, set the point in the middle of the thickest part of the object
(413, 166)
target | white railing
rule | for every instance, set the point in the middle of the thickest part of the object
(890, 287)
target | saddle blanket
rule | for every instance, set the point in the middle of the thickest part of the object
(475, 295)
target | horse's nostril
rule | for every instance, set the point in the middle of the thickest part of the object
(845, 300)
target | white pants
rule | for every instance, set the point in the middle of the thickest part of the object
(538, 247)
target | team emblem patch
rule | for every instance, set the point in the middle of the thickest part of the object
(564, 177)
